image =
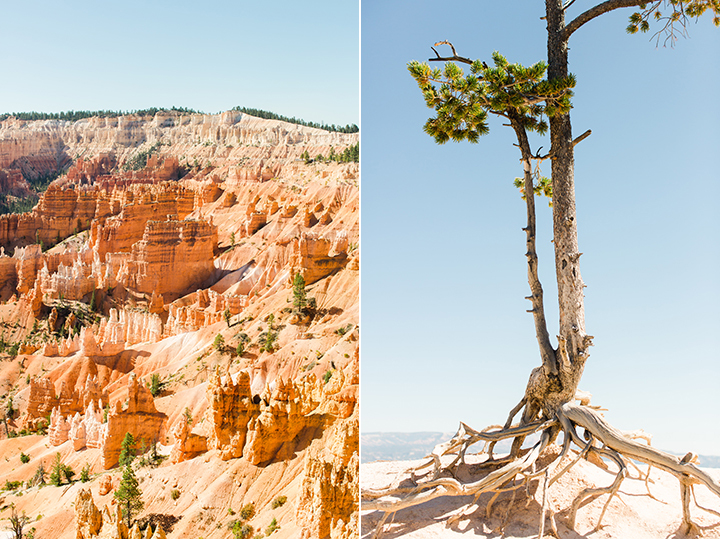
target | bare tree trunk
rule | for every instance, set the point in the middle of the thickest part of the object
(573, 342)
(547, 404)
(547, 353)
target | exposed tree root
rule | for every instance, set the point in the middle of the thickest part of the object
(600, 441)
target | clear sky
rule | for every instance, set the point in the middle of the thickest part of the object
(445, 335)
(293, 58)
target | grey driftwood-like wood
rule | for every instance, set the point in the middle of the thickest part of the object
(548, 404)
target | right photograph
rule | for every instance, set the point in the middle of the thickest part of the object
(540, 343)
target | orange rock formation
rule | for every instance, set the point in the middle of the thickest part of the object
(201, 243)
(140, 418)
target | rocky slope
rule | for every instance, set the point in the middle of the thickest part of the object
(150, 291)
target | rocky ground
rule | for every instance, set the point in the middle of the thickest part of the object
(167, 251)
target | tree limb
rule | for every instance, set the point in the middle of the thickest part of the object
(575, 141)
(547, 353)
(614, 439)
(453, 58)
(596, 11)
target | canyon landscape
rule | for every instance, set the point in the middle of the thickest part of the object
(182, 302)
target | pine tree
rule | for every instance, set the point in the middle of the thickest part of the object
(537, 99)
(227, 316)
(299, 295)
(56, 472)
(85, 473)
(155, 385)
(129, 495)
(127, 450)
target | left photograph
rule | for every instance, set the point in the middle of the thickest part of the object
(179, 271)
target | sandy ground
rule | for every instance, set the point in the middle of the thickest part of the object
(631, 514)
(208, 488)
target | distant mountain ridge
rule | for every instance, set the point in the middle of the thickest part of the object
(375, 446)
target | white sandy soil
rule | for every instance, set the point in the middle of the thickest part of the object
(631, 514)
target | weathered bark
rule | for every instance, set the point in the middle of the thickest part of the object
(601, 440)
(547, 352)
(573, 342)
(547, 404)
(596, 11)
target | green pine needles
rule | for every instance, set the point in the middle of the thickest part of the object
(129, 495)
(127, 450)
(299, 295)
(542, 185)
(674, 21)
(462, 102)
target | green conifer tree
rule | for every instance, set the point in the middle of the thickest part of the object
(127, 450)
(299, 295)
(227, 316)
(537, 99)
(129, 495)
(56, 471)
(155, 385)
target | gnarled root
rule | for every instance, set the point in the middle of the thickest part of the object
(600, 441)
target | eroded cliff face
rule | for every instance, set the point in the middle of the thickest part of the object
(160, 302)
(251, 148)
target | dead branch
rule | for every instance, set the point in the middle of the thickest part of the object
(575, 142)
(453, 58)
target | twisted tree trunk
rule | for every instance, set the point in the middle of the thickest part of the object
(547, 406)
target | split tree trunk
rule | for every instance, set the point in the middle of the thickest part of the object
(551, 388)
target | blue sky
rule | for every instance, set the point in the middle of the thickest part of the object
(445, 335)
(293, 58)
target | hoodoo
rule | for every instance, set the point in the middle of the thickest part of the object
(181, 302)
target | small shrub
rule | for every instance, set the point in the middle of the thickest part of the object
(85, 473)
(231, 512)
(279, 502)
(271, 527)
(343, 330)
(240, 350)
(155, 385)
(219, 343)
(56, 473)
(327, 376)
(248, 511)
(175, 494)
(67, 472)
(12, 485)
(243, 531)
(24, 458)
